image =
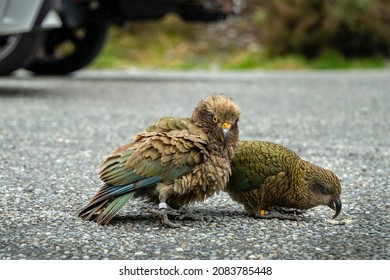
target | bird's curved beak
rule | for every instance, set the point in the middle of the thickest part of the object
(225, 133)
(336, 205)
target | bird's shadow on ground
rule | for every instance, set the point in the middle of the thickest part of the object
(208, 215)
(18, 92)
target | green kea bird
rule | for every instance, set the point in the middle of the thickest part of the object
(175, 162)
(271, 181)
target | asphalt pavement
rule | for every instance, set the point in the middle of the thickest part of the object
(55, 130)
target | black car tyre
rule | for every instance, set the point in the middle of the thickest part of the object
(66, 50)
(18, 50)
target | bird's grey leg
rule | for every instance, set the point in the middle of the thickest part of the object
(162, 212)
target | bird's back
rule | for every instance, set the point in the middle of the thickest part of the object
(261, 175)
(255, 161)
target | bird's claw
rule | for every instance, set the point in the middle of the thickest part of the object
(193, 217)
(290, 211)
(281, 214)
(163, 216)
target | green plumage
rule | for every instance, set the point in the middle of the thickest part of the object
(176, 161)
(266, 175)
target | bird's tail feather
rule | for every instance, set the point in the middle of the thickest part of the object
(110, 199)
(113, 207)
(107, 202)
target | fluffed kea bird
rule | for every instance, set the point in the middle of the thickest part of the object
(175, 162)
(271, 181)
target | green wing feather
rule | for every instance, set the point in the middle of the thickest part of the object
(177, 124)
(255, 161)
(156, 156)
(164, 153)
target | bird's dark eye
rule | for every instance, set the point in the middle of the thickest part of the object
(215, 119)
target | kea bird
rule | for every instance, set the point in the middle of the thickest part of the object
(175, 162)
(271, 181)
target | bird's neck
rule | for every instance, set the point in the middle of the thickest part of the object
(290, 191)
(299, 185)
(218, 147)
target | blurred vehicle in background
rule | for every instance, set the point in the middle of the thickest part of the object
(61, 36)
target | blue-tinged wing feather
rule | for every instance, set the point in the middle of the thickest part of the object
(151, 159)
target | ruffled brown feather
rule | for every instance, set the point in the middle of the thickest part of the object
(176, 160)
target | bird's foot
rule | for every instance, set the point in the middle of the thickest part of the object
(162, 214)
(193, 217)
(290, 211)
(281, 214)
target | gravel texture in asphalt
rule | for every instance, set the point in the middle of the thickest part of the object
(54, 132)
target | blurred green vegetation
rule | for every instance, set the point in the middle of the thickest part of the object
(275, 34)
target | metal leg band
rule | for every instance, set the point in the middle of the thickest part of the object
(162, 205)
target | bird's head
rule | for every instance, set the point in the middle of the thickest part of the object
(218, 116)
(325, 188)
